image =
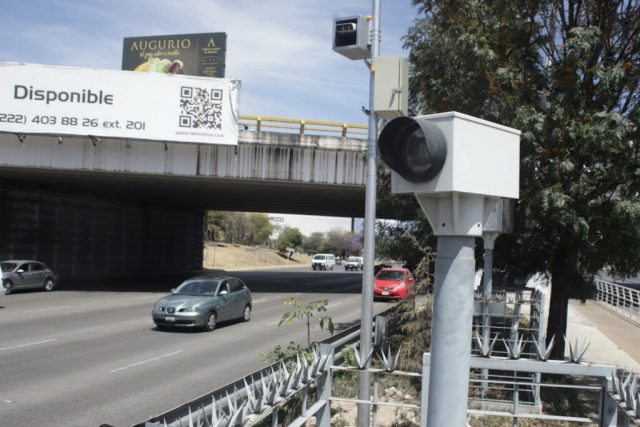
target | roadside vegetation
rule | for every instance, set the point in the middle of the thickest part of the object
(567, 74)
(255, 229)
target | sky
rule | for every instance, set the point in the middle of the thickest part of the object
(281, 50)
(308, 224)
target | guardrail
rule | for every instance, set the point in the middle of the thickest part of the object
(259, 123)
(275, 378)
(618, 298)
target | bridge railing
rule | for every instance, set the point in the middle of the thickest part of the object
(303, 127)
(618, 298)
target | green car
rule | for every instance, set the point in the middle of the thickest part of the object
(202, 302)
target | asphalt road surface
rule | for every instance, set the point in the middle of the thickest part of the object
(88, 353)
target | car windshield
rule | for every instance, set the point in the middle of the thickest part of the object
(8, 267)
(197, 287)
(353, 259)
(319, 257)
(390, 275)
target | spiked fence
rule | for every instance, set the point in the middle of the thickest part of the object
(304, 386)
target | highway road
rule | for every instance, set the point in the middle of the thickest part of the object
(88, 353)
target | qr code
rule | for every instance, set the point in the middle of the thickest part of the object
(200, 108)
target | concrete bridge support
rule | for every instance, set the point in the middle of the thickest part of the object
(92, 236)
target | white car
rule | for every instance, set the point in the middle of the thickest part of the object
(354, 263)
(323, 261)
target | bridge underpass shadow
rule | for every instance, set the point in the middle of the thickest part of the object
(268, 281)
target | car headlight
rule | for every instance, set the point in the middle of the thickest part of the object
(400, 286)
(193, 309)
(158, 304)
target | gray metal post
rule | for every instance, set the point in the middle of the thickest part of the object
(487, 285)
(424, 393)
(324, 384)
(366, 314)
(451, 332)
(609, 407)
(540, 338)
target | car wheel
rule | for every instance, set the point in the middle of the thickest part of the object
(48, 285)
(8, 287)
(314, 267)
(246, 314)
(210, 321)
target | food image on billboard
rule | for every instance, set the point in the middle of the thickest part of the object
(191, 54)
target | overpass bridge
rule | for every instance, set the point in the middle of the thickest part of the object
(95, 207)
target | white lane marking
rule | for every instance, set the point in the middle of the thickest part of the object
(28, 344)
(153, 359)
(60, 307)
(335, 304)
(260, 300)
(148, 297)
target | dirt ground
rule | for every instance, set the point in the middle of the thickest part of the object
(236, 257)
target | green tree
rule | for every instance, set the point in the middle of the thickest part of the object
(566, 73)
(259, 228)
(216, 222)
(290, 238)
(313, 243)
(403, 240)
(238, 227)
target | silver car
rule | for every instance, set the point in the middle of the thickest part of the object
(26, 274)
(202, 302)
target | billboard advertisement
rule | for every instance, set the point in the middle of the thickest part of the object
(119, 104)
(191, 54)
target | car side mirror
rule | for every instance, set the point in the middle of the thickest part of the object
(224, 292)
(173, 291)
(20, 271)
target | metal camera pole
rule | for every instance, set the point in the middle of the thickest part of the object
(451, 331)
(364, 384)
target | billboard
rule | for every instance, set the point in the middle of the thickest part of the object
(192, 54)
(119, 104)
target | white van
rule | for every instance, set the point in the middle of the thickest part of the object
(323, 261)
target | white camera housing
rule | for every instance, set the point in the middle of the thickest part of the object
(481, 168)
(482, 158)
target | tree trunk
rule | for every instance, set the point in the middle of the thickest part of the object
(559, 303)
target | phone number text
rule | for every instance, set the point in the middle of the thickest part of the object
(87, 122)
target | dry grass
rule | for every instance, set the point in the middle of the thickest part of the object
(236, 257)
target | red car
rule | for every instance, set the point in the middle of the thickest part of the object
(393, 283)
